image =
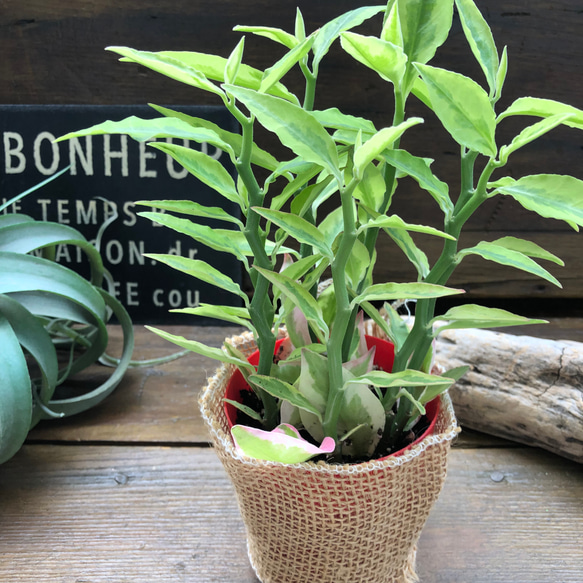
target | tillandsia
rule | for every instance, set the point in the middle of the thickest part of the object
(324, 207)
(52, 325)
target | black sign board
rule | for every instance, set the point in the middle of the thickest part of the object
(107, 174)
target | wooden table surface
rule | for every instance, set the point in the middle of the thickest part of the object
(132, 492)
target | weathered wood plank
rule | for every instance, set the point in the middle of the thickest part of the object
(152, 404)
(123, 514)
(543, 39)
(485, 279)
(130, 514)
(518, 387)
(505, 516)
(159, 404)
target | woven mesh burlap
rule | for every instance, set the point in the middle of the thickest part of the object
(320, 523)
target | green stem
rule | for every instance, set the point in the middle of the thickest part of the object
(418, 343)
(389, 175)
(310, 91)
(343, 313)
(261, 309)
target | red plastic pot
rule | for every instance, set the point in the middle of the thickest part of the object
(384, 359)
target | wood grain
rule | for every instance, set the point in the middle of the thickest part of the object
(159, 404)
(545, 52)
(522, 388)
(133, 514)
(128, 493)
(484, 279)
(505, 516)
(152, 404)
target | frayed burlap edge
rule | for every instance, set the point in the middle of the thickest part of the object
(331, 523)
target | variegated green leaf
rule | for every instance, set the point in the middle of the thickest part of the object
(505, 256)
(333, 29)
(474, 316)
(232, 314)
(275, 34)
(381, 141)
(544, 108)
(296, 128)
(371, 189)
(424, 25)
(405, 378)
(218, 239)
(549, 195)
(419, 170)
(197, 68)
(145, 130)
(169, 65)
(279, 69)
(396, 222)
(301, 298)
(532, 133)
(189, 207)
(463, 108)
(333, 118)
(399, 291)
(202, 349)
(208, 170)
(528, 248)
(480, 39)
(200, 270)
(407, 245)
(383, 57)
(298, 228)
(258, 156)
(233, 63)
(282, 390)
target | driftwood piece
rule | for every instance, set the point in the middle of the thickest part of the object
(525, 389)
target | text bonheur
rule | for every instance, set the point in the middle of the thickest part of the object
(46, 156)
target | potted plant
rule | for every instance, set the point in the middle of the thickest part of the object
(304, 382)
(52, 326)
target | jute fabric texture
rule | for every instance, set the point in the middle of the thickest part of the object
(322, 523)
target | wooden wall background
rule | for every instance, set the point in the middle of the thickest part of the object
(52, 52)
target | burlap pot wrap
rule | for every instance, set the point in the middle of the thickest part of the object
(320, 523)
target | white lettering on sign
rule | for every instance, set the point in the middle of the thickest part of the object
(63, 212)
(15, 207)
(146, 155)
(131, 217)
(109, 154)
(55, 156)
(85, 157)
(86, 215)
(14, 159)
(48, 155)
(175, 298)
(132, 293)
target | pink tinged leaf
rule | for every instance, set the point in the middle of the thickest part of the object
(287, 429)
(363, 364)
(362, 347)
(287, 261)
(284, 444)
(297, 326)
